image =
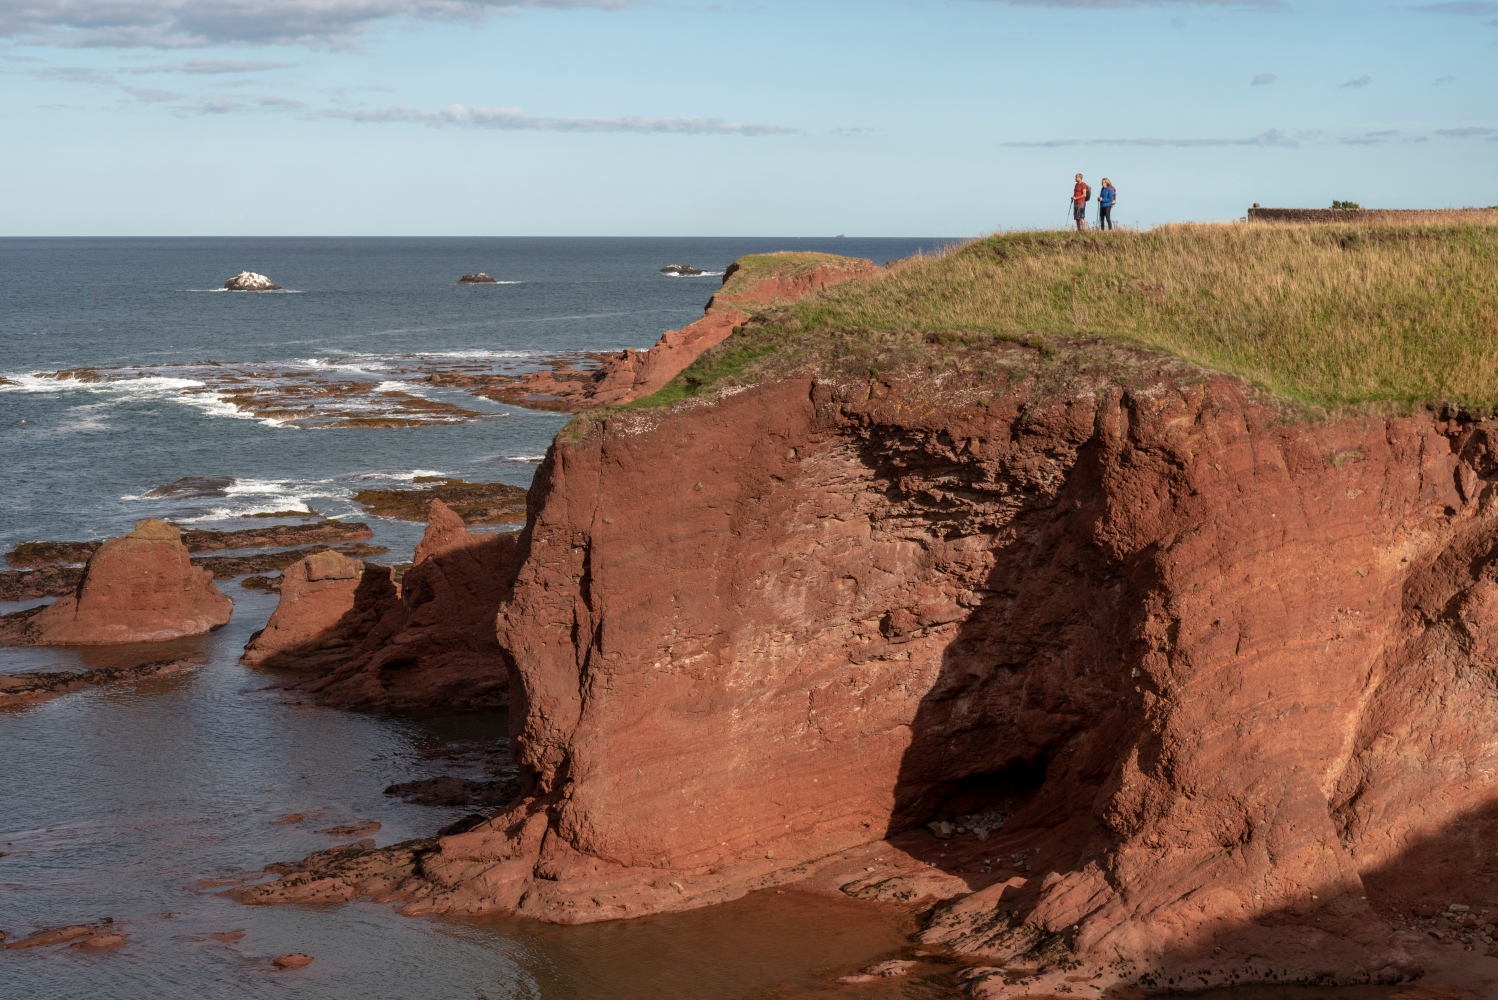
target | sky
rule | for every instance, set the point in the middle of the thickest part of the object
(762, 118)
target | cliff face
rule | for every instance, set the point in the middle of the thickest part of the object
(1227, 672)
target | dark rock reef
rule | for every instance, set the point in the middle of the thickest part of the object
(477, 279)
(25, 688)
(681, 270)
(475, 503)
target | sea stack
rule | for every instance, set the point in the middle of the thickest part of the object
(141, 587)
(249, 281)
(445, 653)
(477, 279)
(327, 608)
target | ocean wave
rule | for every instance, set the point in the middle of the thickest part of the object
(154, 386)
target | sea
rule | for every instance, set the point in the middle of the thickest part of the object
(127, 368)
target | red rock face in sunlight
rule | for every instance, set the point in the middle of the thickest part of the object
(140, 587)
(1188, 685)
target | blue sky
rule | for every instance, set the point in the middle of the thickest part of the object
(815, 117)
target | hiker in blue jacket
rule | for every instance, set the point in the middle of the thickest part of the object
(1106, 196)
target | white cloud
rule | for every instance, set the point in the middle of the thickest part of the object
(211, 67)
(1263, 79)
(1470, 7)
(150, 95)
(1466, 132)
(1274, 137)
(1361, 81)
(1106, 4)
(169, 24)
(461, 116)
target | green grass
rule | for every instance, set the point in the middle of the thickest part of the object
(1329, 315)
(707, 371)
(785, 264)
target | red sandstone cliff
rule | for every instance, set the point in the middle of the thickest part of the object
(140, 587)
(1221, 680)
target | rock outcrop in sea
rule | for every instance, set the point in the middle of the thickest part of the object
(681, 270)
(445, 653)
(316, 624)
(477, 279)
(141, 587)
(425, 643)
(249, 281)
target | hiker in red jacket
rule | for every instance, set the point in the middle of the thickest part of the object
(1080, 196)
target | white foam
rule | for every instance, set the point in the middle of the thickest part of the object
(254, 486)
(704, 274)
(336, 364)
(405, 387)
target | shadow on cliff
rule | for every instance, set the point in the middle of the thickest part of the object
(1034, 701)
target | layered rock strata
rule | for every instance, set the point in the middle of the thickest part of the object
(1218, 678)
(141, 587)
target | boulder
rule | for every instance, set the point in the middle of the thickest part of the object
(249, 281)
(477, 279)
(141, 587)
(329, 605)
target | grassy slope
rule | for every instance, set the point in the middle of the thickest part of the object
(1327, 315)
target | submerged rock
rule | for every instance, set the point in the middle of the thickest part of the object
(475, 503)
(194, 486)
(48, 581)
(249, 281)
(39, 686)
(477, 279)
(51, 553)
(141, 587)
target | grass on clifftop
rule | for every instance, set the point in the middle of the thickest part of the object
(785, 264)
(1329, 315)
